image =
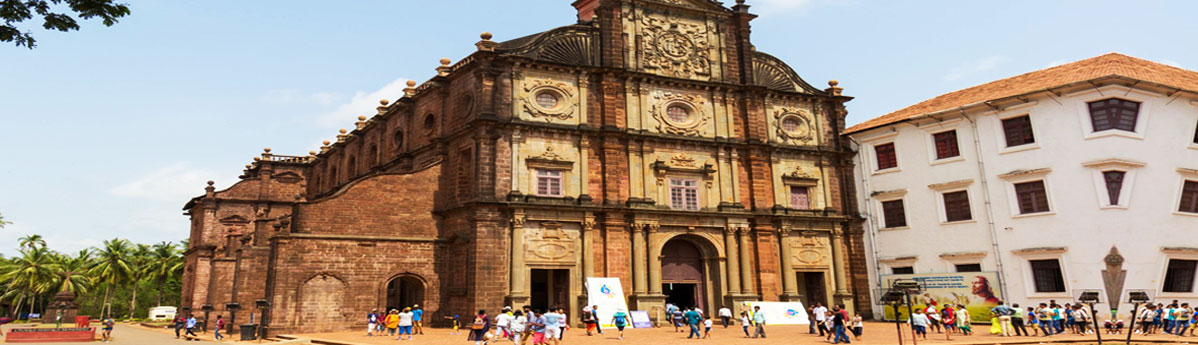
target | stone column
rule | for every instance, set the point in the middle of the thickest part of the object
(788, 274)
(746, 265)
(639, 272)
(654, 266)
(519, 284)
(588, 248)
(733, 260)
(838, 264)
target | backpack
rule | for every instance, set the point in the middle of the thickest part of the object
(478, 323)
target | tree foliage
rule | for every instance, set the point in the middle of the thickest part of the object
(111, 280)
(17, 11)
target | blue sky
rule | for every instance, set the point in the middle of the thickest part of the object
(108, 131)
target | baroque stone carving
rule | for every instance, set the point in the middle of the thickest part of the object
(563, 109)
(550, 242)
(793, 125)
(694, 105)
(682, 160)
(674, 47)
(571, 45)
(772, 73)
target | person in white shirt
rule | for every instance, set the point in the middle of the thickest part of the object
(517, 326)
(405, 323)
(707, 327)
(502, 323)
(933, 316)
(725, 315)
(821, 314)
(745, 323)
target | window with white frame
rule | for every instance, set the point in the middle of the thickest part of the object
(684, 194)
(1189, 197)
(1114, 113)
(1047, 275)
(956, 206)
(946, 145)
(1113, 179)
(549, 182)
(1032, 197)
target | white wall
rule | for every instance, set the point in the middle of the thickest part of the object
(1078, 221)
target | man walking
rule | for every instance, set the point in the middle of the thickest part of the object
(180, 322)
(220, 323)
(725, 315)
(372, 322)
(1017, 321)
(838, 326)
(692, 319)
(759, 321)
(821, 315)
(191, 325)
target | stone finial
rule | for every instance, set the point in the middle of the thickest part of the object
(384, 101)
(833, 88)
(486, 44)
(248, 166)
(312, 153)
(267, 150)
(361, 122)
(382, 108)
(257, 159)
(360, 118)
(410, 91)
(211, 182)
(210, 190)
(443, 70)
(342, 131)
(740, 7)
(326, 143)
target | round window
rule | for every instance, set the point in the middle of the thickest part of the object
(678, 113)
(790, 125)
(429, 122)
(546, 99)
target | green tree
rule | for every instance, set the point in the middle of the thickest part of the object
(111, 267)
(165, 262)
(16, 11)
(73, 275)
(139, 258)
(29, 276)
(2, 222)
(32, 241)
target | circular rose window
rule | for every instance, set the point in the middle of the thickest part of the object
(546, 99)
(790, 125)
(678, 114)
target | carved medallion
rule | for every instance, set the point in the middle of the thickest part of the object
(810, 257)
(549, 100)
(678, 113)
(674, 47)
(793, 126)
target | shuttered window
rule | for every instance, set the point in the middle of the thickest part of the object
(799, 198)
(1047, 275)
(886, 156)
(894, 216)
(1018, 131)
(956, 206)
(1114, 113)
(1179, 276)
(1189, 197)
(1032, 197)
(946, 144)
(1114, 184)
(549, 182)
(684, 194)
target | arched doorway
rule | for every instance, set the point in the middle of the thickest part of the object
(404, 291)
(682, 274)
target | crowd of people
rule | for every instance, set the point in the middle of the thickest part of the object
(1050, 319)
(835, 324)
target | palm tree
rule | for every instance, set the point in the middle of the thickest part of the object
(165, 263)
(29, 276)
(2, 222)
(32, 241)
(138, 260)
(73, 275)
(111, 267)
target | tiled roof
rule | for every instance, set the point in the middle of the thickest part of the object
(1107, 65)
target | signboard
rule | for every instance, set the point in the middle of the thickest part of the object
(640, 319)
(608, 295)
(975, 290)
(780, 313)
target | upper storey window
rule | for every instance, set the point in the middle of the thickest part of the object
(1189, 197)
(684, 194)
(886, 156)
(678, 114)
(946, 144)
(1018, 131)
(547, 100)
(1114, 113)
(549, 182)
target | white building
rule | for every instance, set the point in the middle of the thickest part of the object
(1037, 177)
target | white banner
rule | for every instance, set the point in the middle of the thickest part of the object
(780, 313)
(609, 296)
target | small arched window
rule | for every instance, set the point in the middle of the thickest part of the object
(373, 155)
(333, 176)
(351, 168)
(398, 140)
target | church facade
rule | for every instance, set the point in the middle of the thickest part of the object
(650, 142)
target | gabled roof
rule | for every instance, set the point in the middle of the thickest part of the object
(1102, 66)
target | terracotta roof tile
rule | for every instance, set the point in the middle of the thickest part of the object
(1111, 64)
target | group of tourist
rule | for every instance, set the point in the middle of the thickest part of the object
(1177, 319)
(397, 323)
(835, 324)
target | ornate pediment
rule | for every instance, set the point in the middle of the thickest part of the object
(570, 45)
(234, 220)
(770, 72)
(550, 159)
(683, 163)
(800, 176)
(287, 177)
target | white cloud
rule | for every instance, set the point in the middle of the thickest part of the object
(974, 67)
(173, 182)
(293, 96)
(362, 103)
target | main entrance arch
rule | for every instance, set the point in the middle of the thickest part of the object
(404, 291)
(683, 274)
